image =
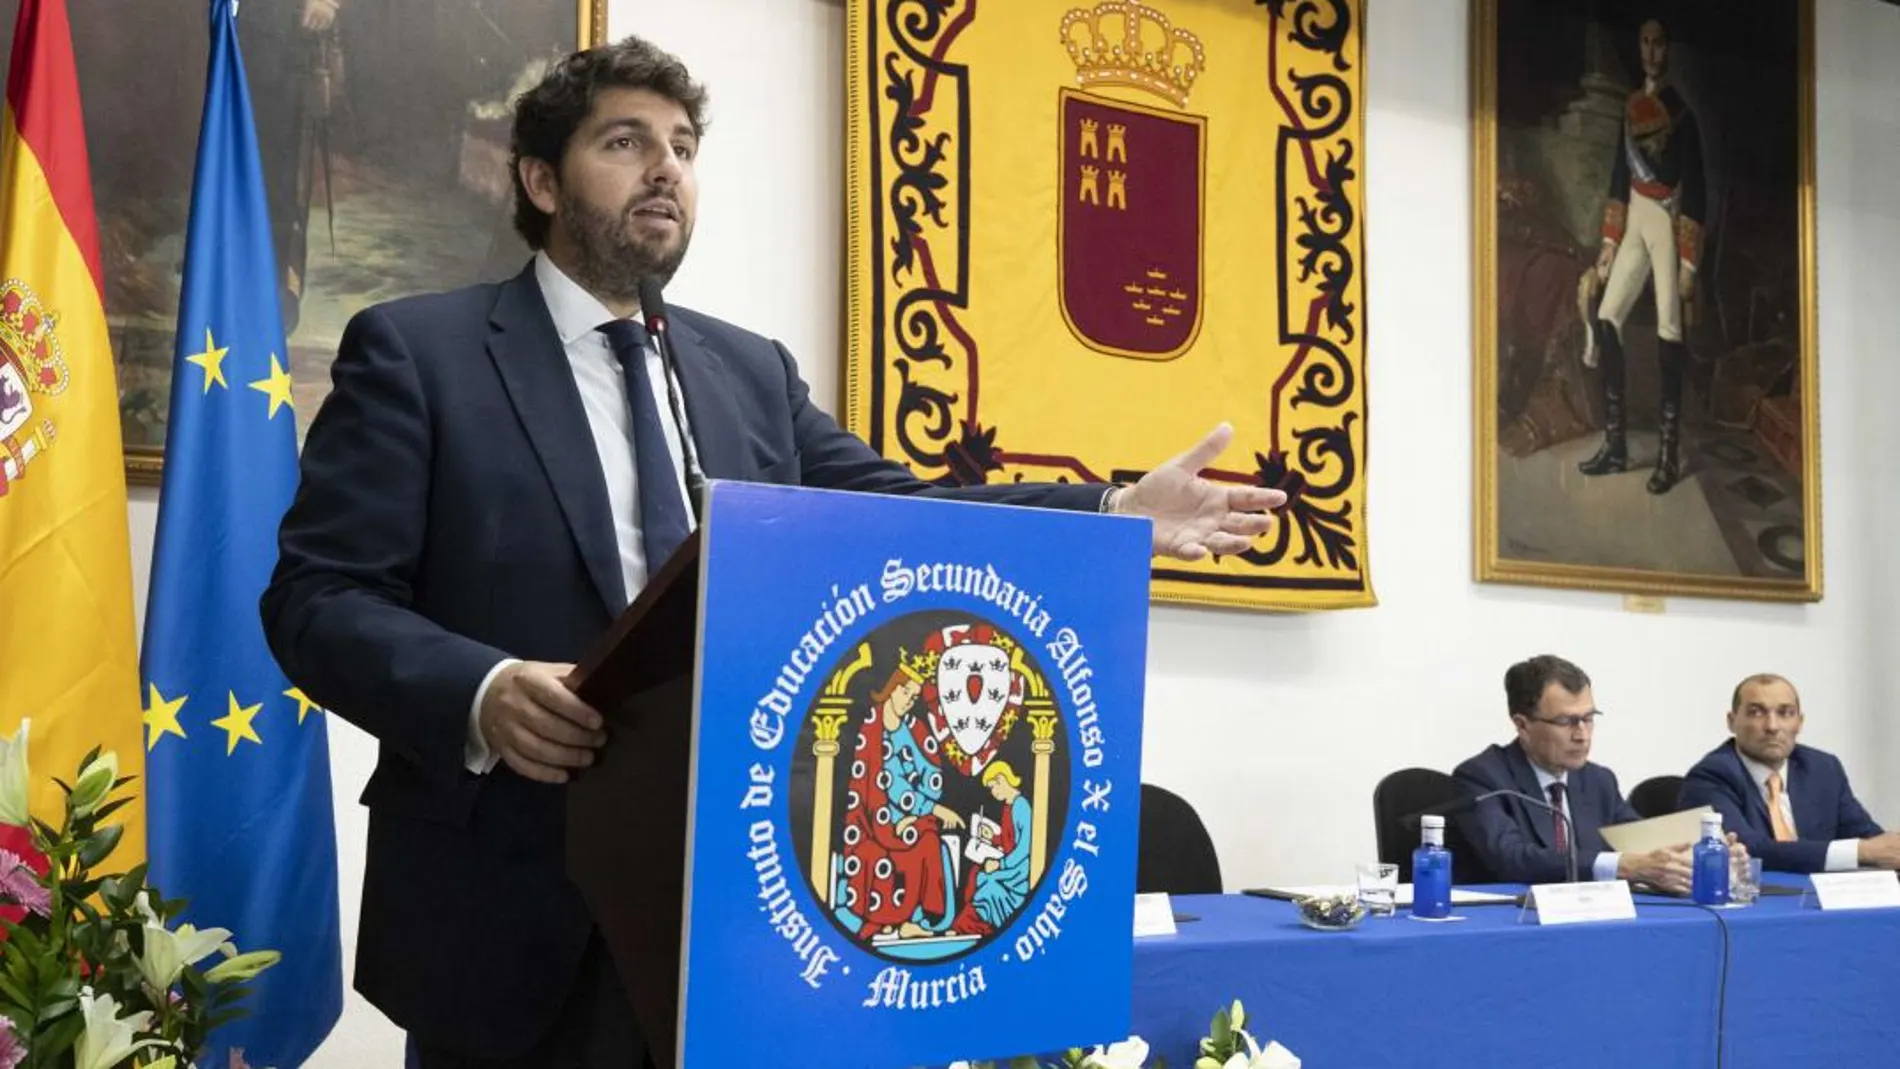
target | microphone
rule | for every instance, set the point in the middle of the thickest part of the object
(1472, 801)
(653, 310)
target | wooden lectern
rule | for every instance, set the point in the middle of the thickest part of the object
(626, 815)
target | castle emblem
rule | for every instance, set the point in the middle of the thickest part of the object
(1133, 180)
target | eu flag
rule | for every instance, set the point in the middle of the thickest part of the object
(237, 761)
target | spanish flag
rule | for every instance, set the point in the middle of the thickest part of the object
(68, 660)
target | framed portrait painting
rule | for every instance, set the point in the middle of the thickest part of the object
(383, 127)
(1646, 397)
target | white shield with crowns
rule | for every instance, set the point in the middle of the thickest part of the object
(973, 689)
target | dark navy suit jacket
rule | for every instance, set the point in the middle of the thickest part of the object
(1825, 808)
(1517, 842)
(453, 512)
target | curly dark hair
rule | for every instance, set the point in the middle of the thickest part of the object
(547, 116)
(1526, 681)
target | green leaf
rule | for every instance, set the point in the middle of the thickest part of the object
(1222, 1033)
(1024, 1061)
(10, 987)
(81, 889)
(111, 807)
(102, 843)
(219, 1020)
(54, 1041)
(1205, 1062)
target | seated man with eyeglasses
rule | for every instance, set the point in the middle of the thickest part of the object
(1789, 803)
(1551, 704)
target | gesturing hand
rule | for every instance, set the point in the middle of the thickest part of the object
(537, 725)
(1193, 516)
(318, 15)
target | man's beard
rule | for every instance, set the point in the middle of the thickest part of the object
(610, 263)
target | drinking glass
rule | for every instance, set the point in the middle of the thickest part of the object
(1744, 884)
(1379, 888)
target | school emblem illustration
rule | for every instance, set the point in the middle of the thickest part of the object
(939, 771)
(30, 365)
(1132, 185)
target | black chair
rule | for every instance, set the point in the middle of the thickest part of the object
(1175, 854)
(1414, 790)
(1656, 796)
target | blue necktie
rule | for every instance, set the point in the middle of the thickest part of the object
(663, 520)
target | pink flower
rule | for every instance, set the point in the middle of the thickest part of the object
(24, 863)
(21, 885)
(12, 1051)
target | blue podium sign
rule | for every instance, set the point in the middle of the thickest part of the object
(916, 765)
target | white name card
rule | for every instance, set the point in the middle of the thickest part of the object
(1857, 890)
(1575, 903)
(1154, 915)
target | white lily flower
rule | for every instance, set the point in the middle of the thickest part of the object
(94, 782)
(1130, 1053)
(167, 953)
(1273, 1057)
(1277, 1057)
(108, 1038)
(13, 778)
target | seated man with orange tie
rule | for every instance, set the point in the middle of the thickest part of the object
(1790, 804)
(1551, 704)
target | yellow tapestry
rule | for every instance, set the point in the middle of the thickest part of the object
(1083, 234)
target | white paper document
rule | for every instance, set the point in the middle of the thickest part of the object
(1656, 833)
(1154, 915)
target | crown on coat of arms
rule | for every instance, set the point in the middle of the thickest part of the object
(26, 339)
(1125, 42)
(921, 667)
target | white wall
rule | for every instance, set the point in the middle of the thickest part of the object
(1278, 727)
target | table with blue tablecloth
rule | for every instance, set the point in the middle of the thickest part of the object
(1804, 988)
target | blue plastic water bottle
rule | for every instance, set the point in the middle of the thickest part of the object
(1710, 885)
(1431, 871)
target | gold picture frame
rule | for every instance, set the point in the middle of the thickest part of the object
(1742, 518)
(403, 107)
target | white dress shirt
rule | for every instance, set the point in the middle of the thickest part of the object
(578, 316)
(1843, 855)
(1604, 867)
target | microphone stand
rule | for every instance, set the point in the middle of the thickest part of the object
(653, 309)
(1570, 830)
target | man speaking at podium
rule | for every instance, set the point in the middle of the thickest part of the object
(493, 478)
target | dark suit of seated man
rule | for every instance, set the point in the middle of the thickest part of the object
(1551, 703)
(1790, 804)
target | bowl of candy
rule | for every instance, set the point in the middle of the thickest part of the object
(1331, 913)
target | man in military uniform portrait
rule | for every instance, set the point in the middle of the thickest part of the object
(1652, 233)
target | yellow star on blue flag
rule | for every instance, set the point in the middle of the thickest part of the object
(239, 807)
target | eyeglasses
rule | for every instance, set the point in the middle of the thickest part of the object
(1568, 723)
